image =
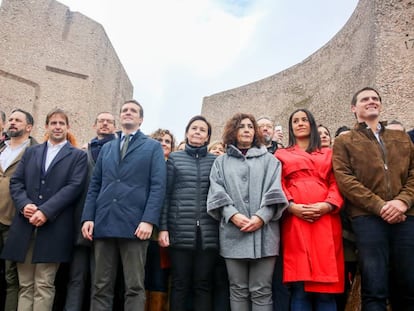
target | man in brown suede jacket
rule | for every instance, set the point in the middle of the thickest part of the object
(374, 169)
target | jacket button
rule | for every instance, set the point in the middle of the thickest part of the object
(43, 182)
(40, 196)
(114, 200)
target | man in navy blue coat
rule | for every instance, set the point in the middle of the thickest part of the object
(123, 204)
(45, 187)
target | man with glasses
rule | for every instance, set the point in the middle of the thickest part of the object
(266, 126)
(80, 269)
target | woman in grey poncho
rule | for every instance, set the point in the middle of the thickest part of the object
(247, 198)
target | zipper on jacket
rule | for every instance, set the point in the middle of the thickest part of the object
(384, 159)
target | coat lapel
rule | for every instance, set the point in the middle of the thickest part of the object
(136, 141)
(63, 153)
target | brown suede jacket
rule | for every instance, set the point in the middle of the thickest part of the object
(369, 174)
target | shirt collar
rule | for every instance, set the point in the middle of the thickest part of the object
(59, 145)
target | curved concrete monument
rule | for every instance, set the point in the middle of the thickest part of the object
(375, 48)
(52, 57)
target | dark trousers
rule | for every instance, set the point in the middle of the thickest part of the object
(132, 253)
(280, 292)
(10, 275)
(156, 278)
(192, 270)
(221, 291)
(385, 250)
(78, 289)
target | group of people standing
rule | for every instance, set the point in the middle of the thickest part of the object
(256, 226)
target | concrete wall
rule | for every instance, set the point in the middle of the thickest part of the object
(375, 48)
(52, 57)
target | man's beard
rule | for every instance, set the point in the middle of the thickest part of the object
(15, 133)
(267, 139)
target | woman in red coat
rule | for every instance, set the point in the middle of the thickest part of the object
(311, 228)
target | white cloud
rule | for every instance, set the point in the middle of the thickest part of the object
(178, 51)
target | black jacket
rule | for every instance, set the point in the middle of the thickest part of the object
(185, 210)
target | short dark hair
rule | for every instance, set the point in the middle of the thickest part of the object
(29, 117)
(99, 113)
(367, 88)
(141, 110)
(197, 118)
(57, 111)
(314, 139)
(232, 126)
(341, 129)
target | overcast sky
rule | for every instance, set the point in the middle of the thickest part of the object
(175, 52)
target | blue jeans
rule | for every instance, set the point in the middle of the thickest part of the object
(307, 301)
(385, 250)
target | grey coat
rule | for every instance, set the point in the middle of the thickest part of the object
(249, 185)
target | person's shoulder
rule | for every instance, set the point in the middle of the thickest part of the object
(396, 135)
(283, 151)
(36, 147)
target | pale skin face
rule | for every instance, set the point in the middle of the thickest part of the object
(245, 134)
(104, 125)
(57, 129)
(197, 134)
(181, 146)
(301, 125)
(368, 106)
(324, 135)
(266, 127)
(166, 142)
(130, 117)
(217, 149)
(17, 125)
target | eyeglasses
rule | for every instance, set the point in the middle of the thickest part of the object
(109, 121)
(268, 126)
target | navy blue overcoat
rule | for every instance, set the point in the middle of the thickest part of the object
(123, 193)
(55, 192)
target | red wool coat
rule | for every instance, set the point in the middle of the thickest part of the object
(312, 252)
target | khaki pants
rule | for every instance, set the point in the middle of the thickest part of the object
(37, 289)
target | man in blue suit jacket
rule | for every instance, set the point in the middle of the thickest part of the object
(123, 204)
(45, 186)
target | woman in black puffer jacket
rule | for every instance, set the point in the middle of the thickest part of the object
(185, 227)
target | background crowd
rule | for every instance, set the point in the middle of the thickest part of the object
(137, 222)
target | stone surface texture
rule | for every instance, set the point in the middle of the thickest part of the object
(52, 57)
(374, 48)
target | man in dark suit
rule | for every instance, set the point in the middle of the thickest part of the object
(123, 204)
(44, 188)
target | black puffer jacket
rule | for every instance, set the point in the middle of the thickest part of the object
(185, 208)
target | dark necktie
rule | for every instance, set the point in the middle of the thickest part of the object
(125, 146)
